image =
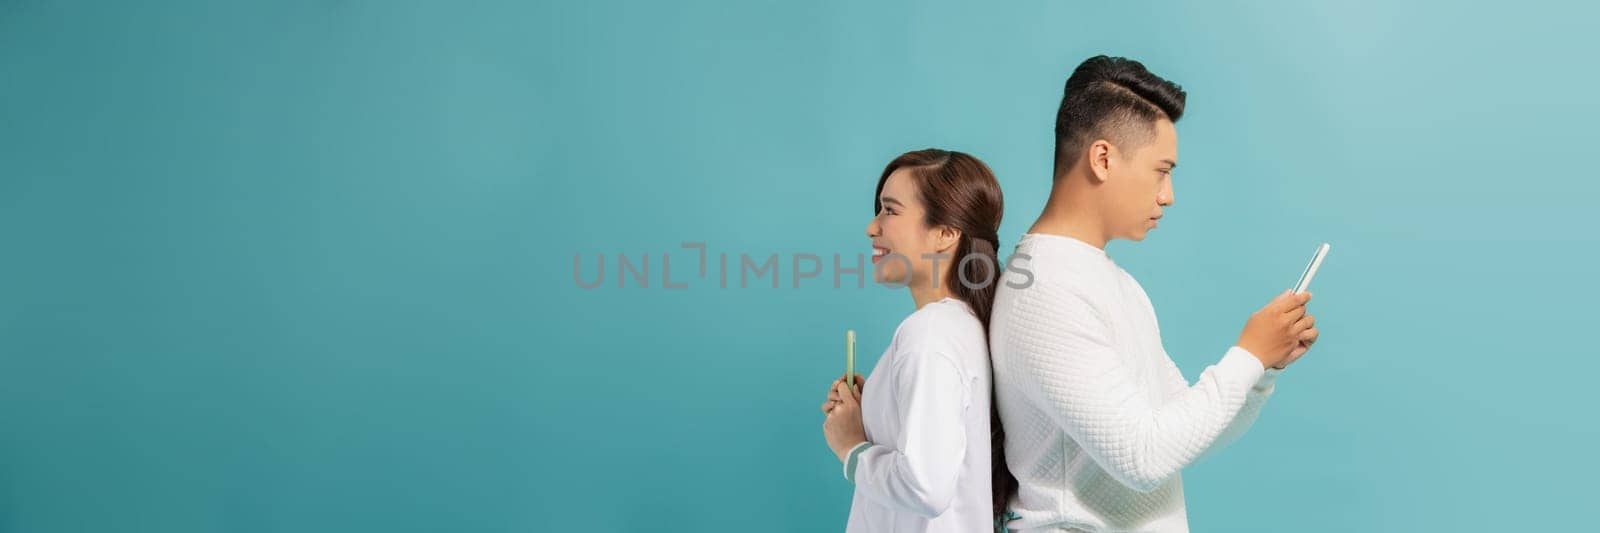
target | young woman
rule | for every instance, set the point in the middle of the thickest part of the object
(917, 443)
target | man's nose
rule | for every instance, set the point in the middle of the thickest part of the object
(1166, 197)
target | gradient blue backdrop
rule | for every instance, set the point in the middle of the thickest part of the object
(308, 265)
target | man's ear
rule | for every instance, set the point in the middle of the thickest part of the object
(1100, 154)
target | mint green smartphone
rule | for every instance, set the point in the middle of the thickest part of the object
(850, 358)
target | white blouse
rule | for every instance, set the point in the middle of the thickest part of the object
(925, 466)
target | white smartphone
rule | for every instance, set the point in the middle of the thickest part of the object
(850, 358)
(1311, 269)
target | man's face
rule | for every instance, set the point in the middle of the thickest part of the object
(1140, 184)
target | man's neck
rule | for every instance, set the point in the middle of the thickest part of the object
(1068, 213)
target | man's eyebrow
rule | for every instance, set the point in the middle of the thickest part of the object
(890, 200)
(1170, 163)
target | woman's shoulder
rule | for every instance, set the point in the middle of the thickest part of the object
(946, 328)
(945, 313)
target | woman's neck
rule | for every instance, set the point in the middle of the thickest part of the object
(925, 292)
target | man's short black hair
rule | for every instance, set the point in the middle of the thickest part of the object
(1112, 98)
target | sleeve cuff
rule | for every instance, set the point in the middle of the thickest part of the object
(1268, 377)
(1240, 364)
(851, 460)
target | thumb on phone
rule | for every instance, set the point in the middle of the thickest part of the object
(846, 395)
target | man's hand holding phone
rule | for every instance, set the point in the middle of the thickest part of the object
(1280, 332)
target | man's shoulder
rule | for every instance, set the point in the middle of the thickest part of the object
(1058, 282)
(1062, 300)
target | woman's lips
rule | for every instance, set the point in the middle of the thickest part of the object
(878, 254)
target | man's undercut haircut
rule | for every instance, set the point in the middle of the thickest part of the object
(1115, 99)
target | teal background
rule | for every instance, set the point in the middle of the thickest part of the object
(308, 265)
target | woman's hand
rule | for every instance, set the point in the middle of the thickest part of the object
(843, 429)
(833, 391)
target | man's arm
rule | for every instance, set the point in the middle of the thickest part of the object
(1090, 391)
(1254, 401)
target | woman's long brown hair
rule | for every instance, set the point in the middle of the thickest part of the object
(961, 192)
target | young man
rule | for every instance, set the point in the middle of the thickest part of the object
(1098, 420)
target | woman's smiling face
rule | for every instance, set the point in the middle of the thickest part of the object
(899, 236)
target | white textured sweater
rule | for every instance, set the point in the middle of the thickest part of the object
(1098, 419)
(925, 467)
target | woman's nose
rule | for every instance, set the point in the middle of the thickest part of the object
(872, 228)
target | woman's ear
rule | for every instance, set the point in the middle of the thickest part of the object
(946, 239)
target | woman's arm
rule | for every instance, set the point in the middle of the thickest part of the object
(918, 472)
